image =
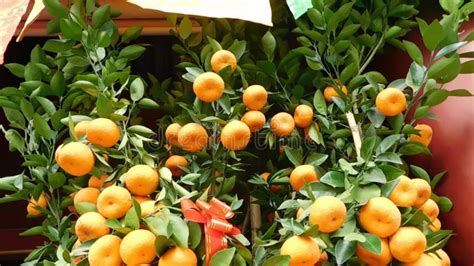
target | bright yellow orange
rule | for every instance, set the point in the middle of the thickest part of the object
(407, 244)
(303, 116)
(391, 102)
(114, 202)
(174, 162)
(192, 137)
(301, 175)
(142, 180)
(404, 194)
(282, 124)
(424, 136)
(235, 135)
(425, 260)
(445, 260)
(208, 87)
(41, 202)
(149, 208)
(435, 225)
(223, 58)
(372, 259)
(103, 132)
(255, 97)
(322, 259)
(80, 129)
(303, 250)
(330, 92)
(56, 153)
(87, 194)
(430, 209)
(76, 158)
(138, 247)
(91, 225)
(171, 134)
(380, 217)
(255, 120)
(328, 213)
(105, 251)
(141, 199)
(423, 191)
(98, 182)
(178, 256)
(265, 176)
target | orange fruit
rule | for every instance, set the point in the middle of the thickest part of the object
(424, 136)
(149, 208)
(98, 182)
(174, 162)
(87, 194)
(380, 217)
(322, 259)
(76, 158)
(141, 199)
(391, 102)
(265, 176)
(221, 59)
(303, 250)
(299, 213)
(435, 225)
(255, 97)
(423, 191)
(425, 260)
(430, 209)
(282, 124)
(404, 194)
(445, 260)
(192, 137)
(235, 135)
(105, 251)
(56, 153)
(171, 134)
(80, 128)
(91, 225)
(330, 92)
(255, 120)
(208, 87)
(407, 244)
(114, 202)
(103, 132)
(301, 175)
(328, 213)
(138, 247)
(303, 116)
(41, 202)
(142, 180)
(384, 258)
(178, 256)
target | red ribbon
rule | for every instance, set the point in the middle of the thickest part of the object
(213, 215)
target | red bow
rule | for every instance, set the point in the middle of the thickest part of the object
(213, 215)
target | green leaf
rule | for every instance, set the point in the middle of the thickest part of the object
(70, 29)
(180, 231)
(445, 204)
(299, 7)
(27, 108)
(294, 155)
(319, 102)
(347, 167)
(16, 69)
(238, 48)
(375, 117)
(15, 140)
(363, 194)
(387, 189)
(445, 69)
(421, 112)
(333, 178)
(58, 46)
(162, 244)
(47, 105)
(55, 8)
(415, 76)
(433, 35)
(223, 257)
(387, 143)
(348, 73)
(279, 260)
(413, 148)
(316, 17)
(372, 243)
(137, 89)
(316, 159)
(132, 52)
(132, 218)
(340, 15)
(419, 172)
(58, 84)
(15, 117)
(340, 133)
(42, 127)
(460, 93)
(147, 103)
(389, 157)
(83, 207)
(449, 49)
(269, 45)
(56, 180)
(367, 148)
(373, 175)
(436, 179)
(414, 52)
(104, 106)
(344, 250)
(185, 28)
(451, 5)
(436, 97)
(33, 231)
(392, 32)
(195, 235)
(100, 16)
(131, 33)
(467, 67)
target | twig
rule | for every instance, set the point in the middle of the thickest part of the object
(255, 218)
(355, 132)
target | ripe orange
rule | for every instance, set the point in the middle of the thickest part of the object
(142, 180)
(330, 92)
(105, 251)
(98, 182)
(138, 247)
(178, 256)
(430, 209)
(435, 225)
(380, 217)
(103, 132)
(282, 124)
(303, 250)
(221, 59)
(255, 120)
(80, 128)
(114, 202)
(255, 97)
(425, 260)
(301, 175)
(445, 260)
(404, 194)
(303, 116)
(322, 259)
(149, 208)
(407, 244)
(235, 135)
(265, 176)
(384, 258)
(424, 136)
(328, 213)
(192, 137)
(32, 204)
(171, 134)
(91, 225)
(423, 191)
(208, 87)
(174, 162)
(391, 102)
(76, 158)
(56, 153)
(87, 194)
